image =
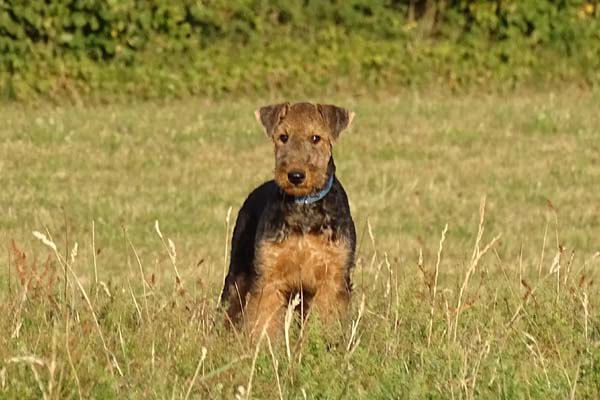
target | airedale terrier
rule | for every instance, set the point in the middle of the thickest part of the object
(294, 234)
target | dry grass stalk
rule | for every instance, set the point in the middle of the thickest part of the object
(520, 263)
(435, 281)
(586, 315)
(200, 362)
(375, 257)
(153, 356)
(483, 353)
(9, 270)
(32, 362)
(52, 364)
(94, 257)
(171, 252)
(66, 266)
(568, 268)
(289, 316)
(354, 340)
(574, 385)
(109, 357)
(37, 280)
(537, 353)
(543, 251)
(371, 235)
(275, 367)
(248, 389)
(225, 251)
(555, 269)
(122, 343)
(66, 275)
(475, 258)
(135, 302)
(18, 320)
(388, 286)
(529, 295)
(142, 279)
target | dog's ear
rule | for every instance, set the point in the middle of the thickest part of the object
(270, 116)
(336, 118)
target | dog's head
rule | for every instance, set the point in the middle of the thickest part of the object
(303, 135)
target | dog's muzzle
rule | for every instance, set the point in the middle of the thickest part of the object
(296, 177)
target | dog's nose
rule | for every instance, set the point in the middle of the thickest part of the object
(296, 177)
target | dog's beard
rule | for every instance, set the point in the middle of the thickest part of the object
(313, 182)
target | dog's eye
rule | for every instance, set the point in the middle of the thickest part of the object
(283, 138)
(315, 139)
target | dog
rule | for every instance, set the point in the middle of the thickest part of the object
(295, 233)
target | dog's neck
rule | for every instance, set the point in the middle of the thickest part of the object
(311, 198)
(324, 191)
(308, 216)
(313, 216)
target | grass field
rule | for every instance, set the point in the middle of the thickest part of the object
(504, 306)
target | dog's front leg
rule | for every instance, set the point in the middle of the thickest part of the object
(265, 310)
(330, 302)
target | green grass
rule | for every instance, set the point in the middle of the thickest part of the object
(411, 164)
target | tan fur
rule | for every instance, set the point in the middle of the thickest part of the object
(300, 124)
(310, 263)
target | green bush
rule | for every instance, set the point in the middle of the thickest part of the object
(93, 48)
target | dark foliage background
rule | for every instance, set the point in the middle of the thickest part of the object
(102, 49)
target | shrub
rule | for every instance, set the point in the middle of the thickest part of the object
(163, 48)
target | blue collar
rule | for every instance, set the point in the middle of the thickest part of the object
(311, 198)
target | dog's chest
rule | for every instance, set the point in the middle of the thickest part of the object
(307, 219)
(303, 260)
